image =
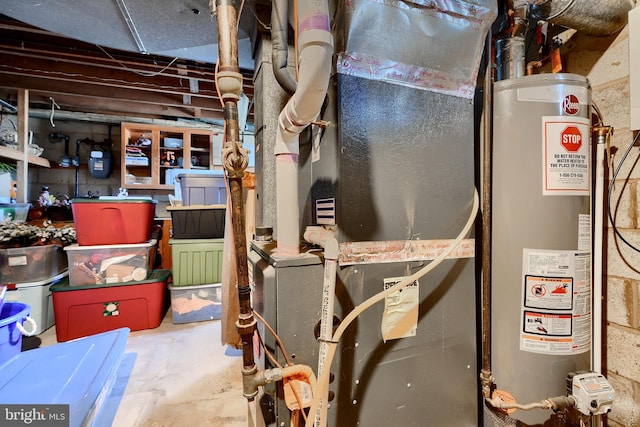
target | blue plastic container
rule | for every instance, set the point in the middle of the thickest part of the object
(80, 373)
(10, 337)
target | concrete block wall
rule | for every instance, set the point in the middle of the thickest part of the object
(605, 62)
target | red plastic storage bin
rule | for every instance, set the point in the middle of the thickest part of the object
(87, 310)
(113, 222)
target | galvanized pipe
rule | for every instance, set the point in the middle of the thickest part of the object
(235, 162)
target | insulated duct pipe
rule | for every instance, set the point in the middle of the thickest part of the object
(315, 45)
(235, 161)
(280, 48)
(594, 17)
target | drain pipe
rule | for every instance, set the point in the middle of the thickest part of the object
(235, 161)
(315, 45)
(325, 238)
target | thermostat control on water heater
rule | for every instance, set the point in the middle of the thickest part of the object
(592, 392)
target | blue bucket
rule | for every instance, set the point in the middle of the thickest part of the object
(12, 314)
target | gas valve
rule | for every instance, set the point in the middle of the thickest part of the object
(592, 392)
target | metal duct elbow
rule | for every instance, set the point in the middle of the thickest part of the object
(594, 17)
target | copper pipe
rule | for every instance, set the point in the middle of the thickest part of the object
(531, 66)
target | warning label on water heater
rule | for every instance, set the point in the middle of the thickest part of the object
(566, 156)
(556, 302)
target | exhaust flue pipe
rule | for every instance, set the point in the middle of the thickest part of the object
(315, 44)
(594, 17)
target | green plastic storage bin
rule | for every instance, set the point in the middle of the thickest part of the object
(196, 261)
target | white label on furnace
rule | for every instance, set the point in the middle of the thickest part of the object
(556, 302)
(400, 316)
(565, 159)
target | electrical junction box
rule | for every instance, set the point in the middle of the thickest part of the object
(593, 393)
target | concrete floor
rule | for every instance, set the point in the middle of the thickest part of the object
(181, 377)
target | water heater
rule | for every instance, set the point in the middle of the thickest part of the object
(541, 237)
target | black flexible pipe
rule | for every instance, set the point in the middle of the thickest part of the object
(280, 46)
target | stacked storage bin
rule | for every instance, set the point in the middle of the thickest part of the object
(197, 248)
(27, 273)
(111, 282)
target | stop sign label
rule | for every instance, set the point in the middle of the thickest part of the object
(571, 139)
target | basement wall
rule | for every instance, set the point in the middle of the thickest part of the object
(605, 62)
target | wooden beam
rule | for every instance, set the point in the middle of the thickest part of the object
(22, 166)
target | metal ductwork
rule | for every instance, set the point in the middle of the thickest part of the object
(594, 17)
(434, 45)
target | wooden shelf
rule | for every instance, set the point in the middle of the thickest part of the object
(9, 153)
(156, 152)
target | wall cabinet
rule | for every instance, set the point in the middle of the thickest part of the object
(150, 151)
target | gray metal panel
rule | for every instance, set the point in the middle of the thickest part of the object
(288, 294)
(406, 162)
(426, 380)
(405, 171)
(400, 166)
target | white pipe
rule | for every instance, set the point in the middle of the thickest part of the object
(315, 57)
(323, 380)
(287, 209)
(325, 238)
(598, 194)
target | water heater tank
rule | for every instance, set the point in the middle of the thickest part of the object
(541, 238)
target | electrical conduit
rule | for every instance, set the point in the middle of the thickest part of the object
(315, 53)
(323, 380)
(325, 238)
(602, 141)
